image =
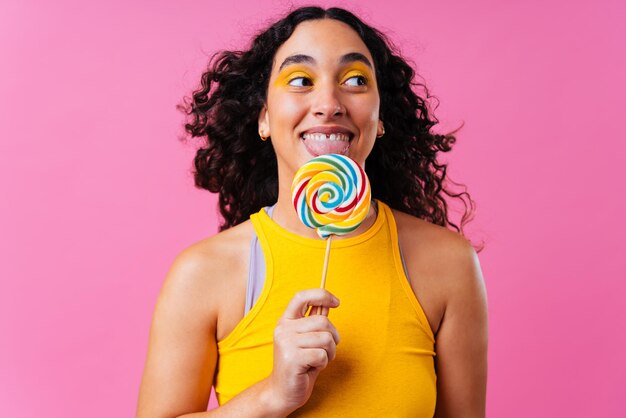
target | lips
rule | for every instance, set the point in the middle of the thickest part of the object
(327, 140)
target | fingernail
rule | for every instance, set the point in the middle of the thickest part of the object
(335, 301)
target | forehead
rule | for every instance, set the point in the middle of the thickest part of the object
(325, 40)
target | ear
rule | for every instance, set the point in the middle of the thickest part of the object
(264, 122)
(381, 128)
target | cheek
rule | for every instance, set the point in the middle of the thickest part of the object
(286, 109)
(367, 111)
(375, 107)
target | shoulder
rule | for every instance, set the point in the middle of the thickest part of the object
(439, 245)
(182, 349)
(219, 250)
(202, 273)
(448, 266)
(443, 257)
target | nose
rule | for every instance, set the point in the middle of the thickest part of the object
(327, 102)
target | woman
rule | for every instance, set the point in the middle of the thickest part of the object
(233, 309)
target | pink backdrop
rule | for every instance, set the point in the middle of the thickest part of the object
(97, 197)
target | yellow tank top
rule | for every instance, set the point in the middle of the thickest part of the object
(385, 360)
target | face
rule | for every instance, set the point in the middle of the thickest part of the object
(322, 97)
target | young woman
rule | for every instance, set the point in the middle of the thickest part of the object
(403, 329)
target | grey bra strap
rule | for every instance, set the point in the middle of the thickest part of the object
(256, 268)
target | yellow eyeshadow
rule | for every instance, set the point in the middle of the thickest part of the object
(351, 74)
(286, 76)
(355, 69)
(358, 69)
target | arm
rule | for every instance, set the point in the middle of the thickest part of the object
(182, 352)
(303, 346)
(461, 344)
(254, 402)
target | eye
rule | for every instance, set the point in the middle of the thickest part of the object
(300, 82)
(356, 81)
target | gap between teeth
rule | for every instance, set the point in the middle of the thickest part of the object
(323, 137)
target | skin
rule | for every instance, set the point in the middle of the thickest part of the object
(328, 93)
(203, 296)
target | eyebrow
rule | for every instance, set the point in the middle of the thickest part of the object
(345, 59)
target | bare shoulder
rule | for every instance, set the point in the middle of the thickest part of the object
(182, 350)
(435, 248)
(226, 243)
(442, 265)
(446, 272)
(442, 241)
(206, 268)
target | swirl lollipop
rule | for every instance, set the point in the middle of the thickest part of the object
(331, 193)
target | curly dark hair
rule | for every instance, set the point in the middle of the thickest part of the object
(234, 162)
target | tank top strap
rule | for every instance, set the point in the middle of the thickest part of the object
(401, 268)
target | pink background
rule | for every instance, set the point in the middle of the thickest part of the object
(97, 197)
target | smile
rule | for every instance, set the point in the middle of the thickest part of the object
(320, 143)
(326, 137)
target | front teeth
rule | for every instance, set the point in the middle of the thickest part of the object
(323, 137)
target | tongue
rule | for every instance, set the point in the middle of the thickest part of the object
(326, 146)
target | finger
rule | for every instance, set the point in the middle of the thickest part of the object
(315, 340)
(319, 310)
(323, 340)
(315, 357)
(301, 301)
(312, 324)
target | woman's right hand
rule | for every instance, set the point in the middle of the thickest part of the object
(303, 346)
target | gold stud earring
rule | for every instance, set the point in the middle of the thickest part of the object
(263, 138)
(380, 136)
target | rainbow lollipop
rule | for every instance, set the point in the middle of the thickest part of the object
(331, 193)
